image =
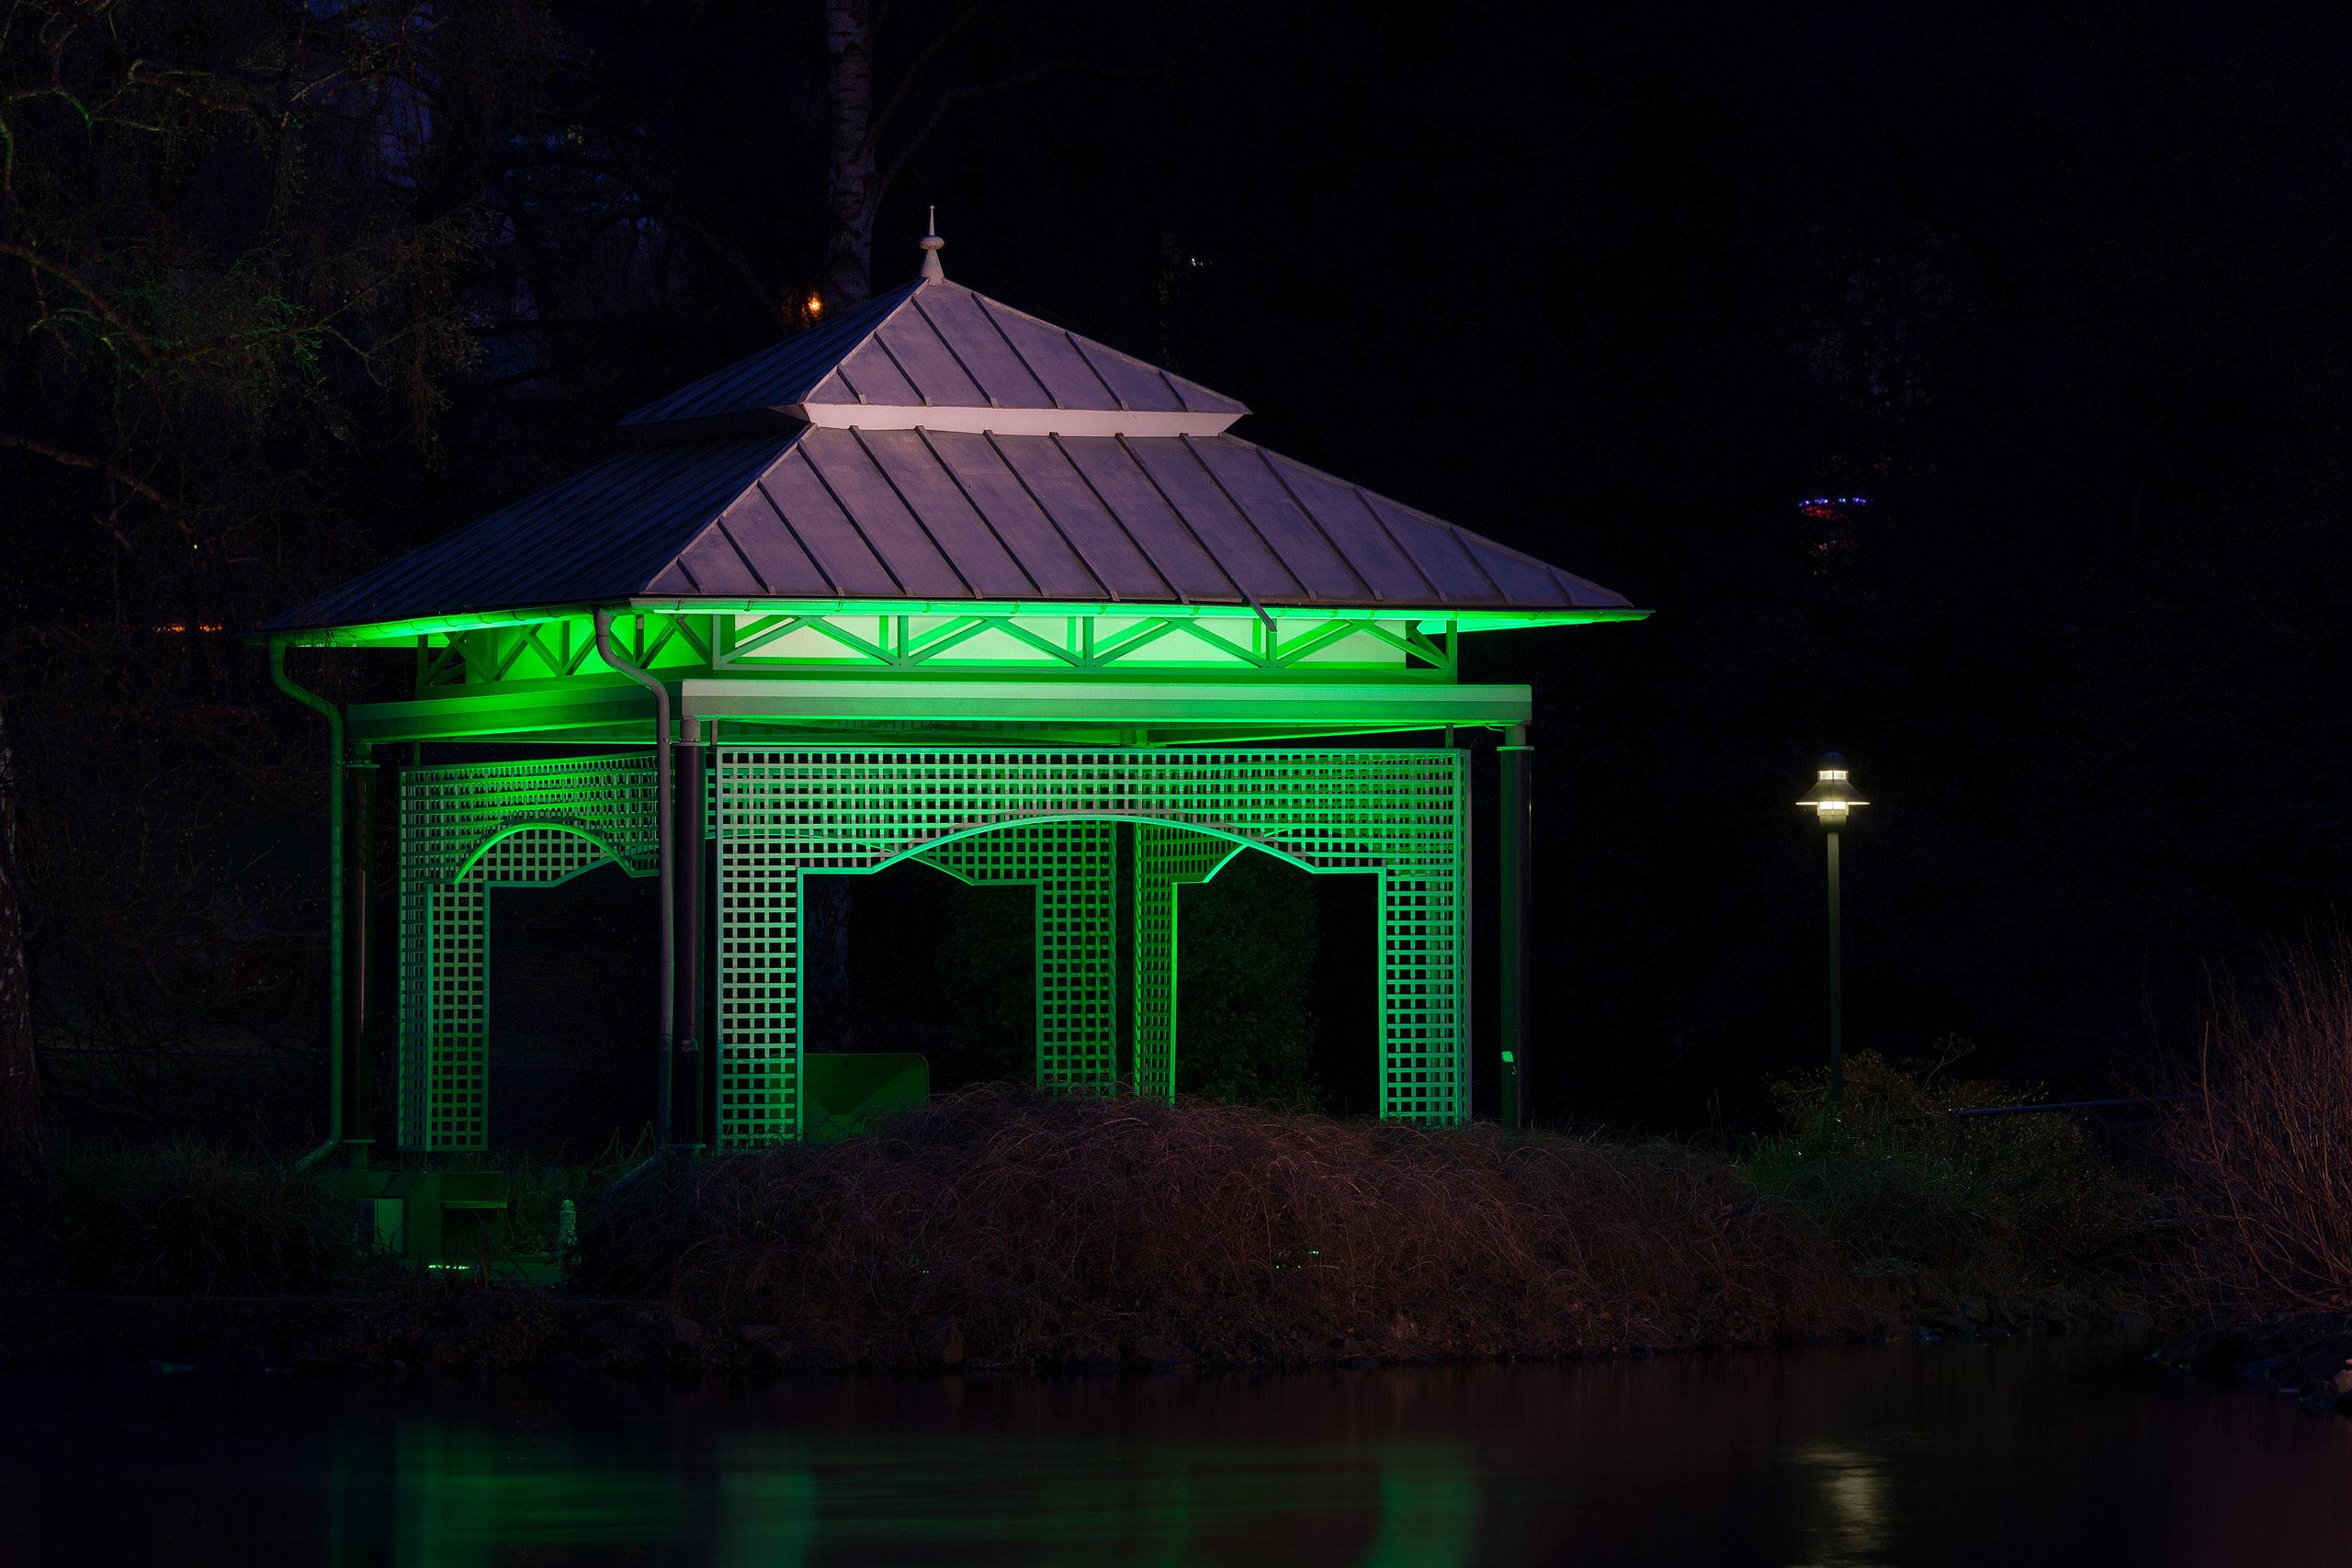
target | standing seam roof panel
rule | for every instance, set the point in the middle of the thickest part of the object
(1129, 492)
(778, 558)
(1193, 491)
(1435, 550)
(1003, 379)
(1044, 470)
(1383, 564)
(940, 503)
(1522, 582)
(1027, 532)
(1054, 359)
(1322, 571)
(872, 375)
(929, 363)
(1136, 386)
(824, 530)
(897, 537)
(712, 565)
(1202, 400)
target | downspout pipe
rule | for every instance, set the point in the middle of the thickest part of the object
(662, 828)
(335, 898)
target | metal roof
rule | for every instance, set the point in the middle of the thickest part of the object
(935, 446)
(937, 354)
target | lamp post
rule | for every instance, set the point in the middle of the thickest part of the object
(1832, 796)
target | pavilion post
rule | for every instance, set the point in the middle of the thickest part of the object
(1517, 823)
(691, 901)
(664, 839)
(358, 937)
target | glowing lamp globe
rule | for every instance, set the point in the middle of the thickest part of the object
(1832, 794)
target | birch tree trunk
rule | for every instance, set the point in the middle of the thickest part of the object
(23, 1162)
(849, 248)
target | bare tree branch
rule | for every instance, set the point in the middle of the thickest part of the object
(76, 460)
(97, 301)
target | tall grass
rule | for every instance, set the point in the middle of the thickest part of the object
(1999, 1205)
(1075, 1225)
(2263, 1161)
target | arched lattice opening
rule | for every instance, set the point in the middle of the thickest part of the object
(572, 1010)
(1051, 820)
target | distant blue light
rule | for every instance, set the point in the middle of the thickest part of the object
(1828, 507)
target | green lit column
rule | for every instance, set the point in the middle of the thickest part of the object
(692, 899)
(1517, 822)
(1166, 858)
(359, 935)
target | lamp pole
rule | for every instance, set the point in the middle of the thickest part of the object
(1831, 797)
(1836, 984)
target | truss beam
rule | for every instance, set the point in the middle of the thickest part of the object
(604, 705)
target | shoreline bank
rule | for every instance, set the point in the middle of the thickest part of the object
(536, 1331)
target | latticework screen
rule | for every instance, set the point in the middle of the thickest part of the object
(1043, 820)
(1073, 865)
(542, 823)
(1400, 815)
(1166, 858)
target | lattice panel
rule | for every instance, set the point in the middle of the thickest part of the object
(1399, 814)
(544, 823)
(759, 994)
(1165, 859)
(1073, 865)
(1034, 818)
(1424, 999)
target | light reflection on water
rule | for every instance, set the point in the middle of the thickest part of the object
(2060, 1452)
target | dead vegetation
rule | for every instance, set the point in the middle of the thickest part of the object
(1083, 1228)
(2261, 1159)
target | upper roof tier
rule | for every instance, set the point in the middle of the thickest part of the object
(935, 449)
(935, 355)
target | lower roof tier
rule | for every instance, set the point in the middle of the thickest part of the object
(822, 520)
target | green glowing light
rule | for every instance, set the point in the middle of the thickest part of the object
(1036, 817)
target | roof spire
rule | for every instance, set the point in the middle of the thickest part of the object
(931, 245)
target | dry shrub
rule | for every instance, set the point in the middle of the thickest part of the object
(1079, 1226)
(192, 1219)
(1998, 1205)
(2263, 1160)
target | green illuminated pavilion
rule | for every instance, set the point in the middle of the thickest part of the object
(937, 581)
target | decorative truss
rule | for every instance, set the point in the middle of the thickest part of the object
(1154, 646)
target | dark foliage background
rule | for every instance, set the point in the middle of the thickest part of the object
(2060, 290)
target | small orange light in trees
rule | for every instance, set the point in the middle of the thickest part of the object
(816, 304)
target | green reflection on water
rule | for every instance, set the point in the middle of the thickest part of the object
(1429, 1511)
(428, 1492)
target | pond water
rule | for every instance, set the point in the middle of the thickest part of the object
(2024, 1453)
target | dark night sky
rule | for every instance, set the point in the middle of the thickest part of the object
(2059, 290)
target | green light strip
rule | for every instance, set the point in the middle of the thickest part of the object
(1426, 618)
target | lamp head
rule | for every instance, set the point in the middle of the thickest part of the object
(1832, 794)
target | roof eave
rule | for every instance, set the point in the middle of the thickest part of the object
(1427, 618)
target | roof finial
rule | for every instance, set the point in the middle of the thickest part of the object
(931, 245)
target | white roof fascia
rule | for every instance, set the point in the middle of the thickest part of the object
(1009, 422)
